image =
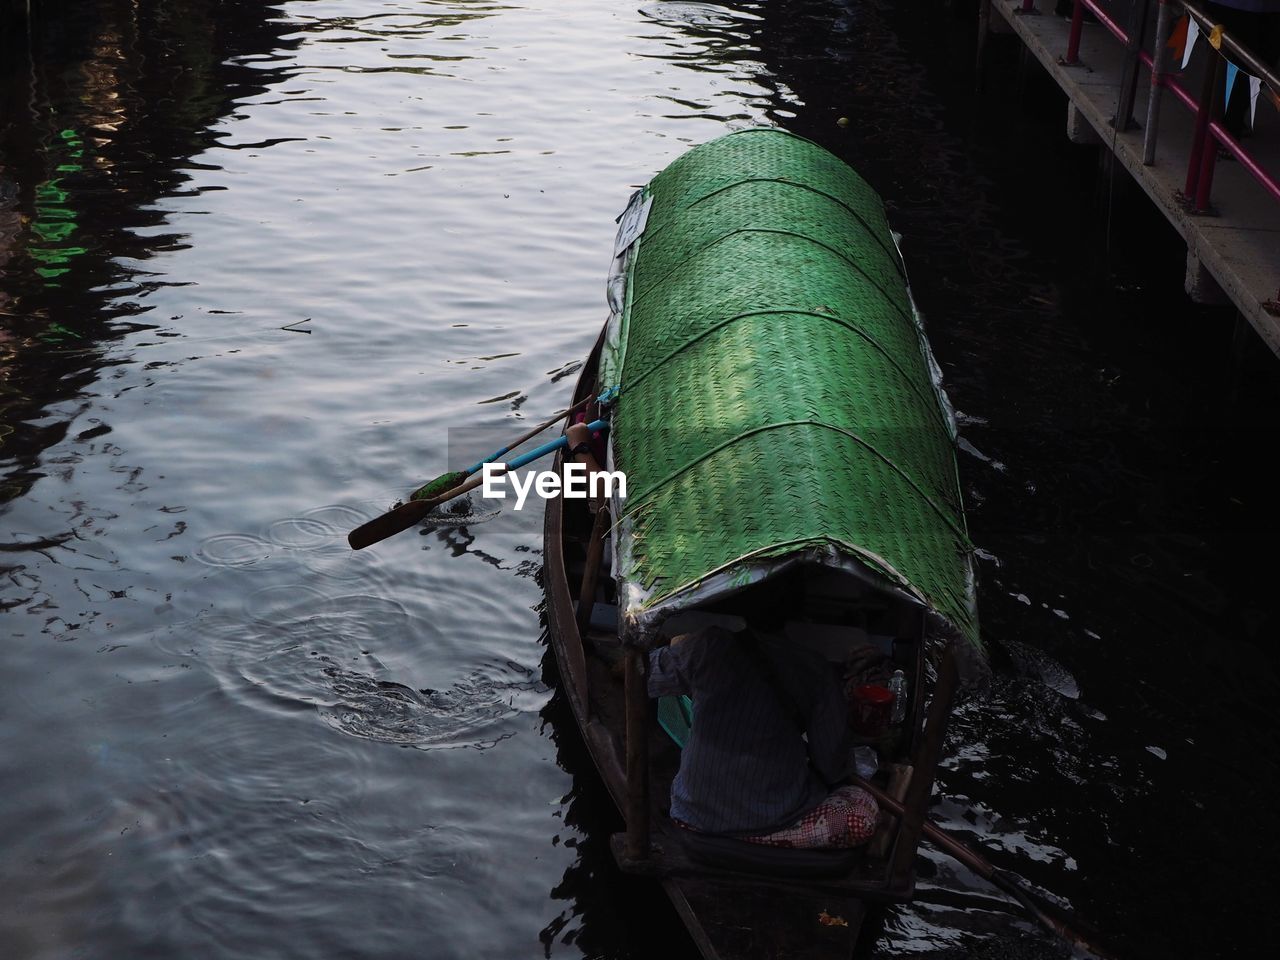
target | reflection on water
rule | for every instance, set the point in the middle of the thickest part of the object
(606, 913)
(257, 263)
(105, 110)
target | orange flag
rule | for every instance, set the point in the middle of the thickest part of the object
(1178, 39)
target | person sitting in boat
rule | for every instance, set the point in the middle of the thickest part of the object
(769, 745)
(586, 448)
(583, 447)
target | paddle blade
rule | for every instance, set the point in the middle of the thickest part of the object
(389, 524)
(442, 483)
(406, 515)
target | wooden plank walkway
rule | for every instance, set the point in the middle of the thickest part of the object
(1232, 252)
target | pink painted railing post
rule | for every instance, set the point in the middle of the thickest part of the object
(1028, 5)
(1208, 158)
(1202, 144)
(1073, 40)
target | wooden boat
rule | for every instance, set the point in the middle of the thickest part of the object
(778, 416)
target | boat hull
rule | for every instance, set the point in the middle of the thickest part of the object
(728, 918)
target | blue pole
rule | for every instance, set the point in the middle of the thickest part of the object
(551, 447)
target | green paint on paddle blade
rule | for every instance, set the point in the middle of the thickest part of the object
(439, 485)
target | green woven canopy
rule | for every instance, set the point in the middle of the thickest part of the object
(778, 398)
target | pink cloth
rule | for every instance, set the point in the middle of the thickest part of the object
(845, 819)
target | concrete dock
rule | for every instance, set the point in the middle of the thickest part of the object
(1233, 248)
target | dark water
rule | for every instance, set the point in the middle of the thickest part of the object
(257, 260)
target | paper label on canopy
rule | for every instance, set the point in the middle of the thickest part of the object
(632, 223)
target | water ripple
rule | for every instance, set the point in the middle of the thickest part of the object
(463, 512)
(301, 532)
(234, 550)
(299, 650)
(463, 715)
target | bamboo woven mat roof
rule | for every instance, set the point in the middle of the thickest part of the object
(777, 392)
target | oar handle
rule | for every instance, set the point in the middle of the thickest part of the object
(1003, 879)
(935, 833)
(528, 436)
(931, 830)
(542, 451)
(406, 515)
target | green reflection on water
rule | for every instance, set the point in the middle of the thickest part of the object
(55, 218)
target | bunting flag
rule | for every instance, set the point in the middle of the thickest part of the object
(1178, 38)
(1193, 32)
(1182, 41)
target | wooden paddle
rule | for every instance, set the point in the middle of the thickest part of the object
(447, 481)
(1008, 882)
(406, 515)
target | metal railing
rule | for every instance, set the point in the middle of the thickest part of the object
(1207, 107)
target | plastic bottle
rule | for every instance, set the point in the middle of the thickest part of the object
(866, 762)
(898, 687)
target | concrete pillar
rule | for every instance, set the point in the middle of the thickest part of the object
(1201, 285)
(1079, 129)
